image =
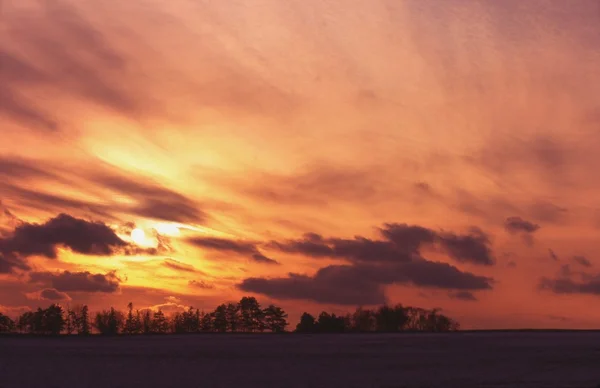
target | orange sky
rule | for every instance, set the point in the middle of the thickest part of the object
(227, 131)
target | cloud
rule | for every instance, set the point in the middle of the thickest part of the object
(81, 236)
(570, 281)
(472, 248)
(518, 225)
(178, 266)
(463, 295)
(200, 284)
(149, 198)
(581, 260)
(363, 283)
(549, 212)
(69, 55)
(245, 248)
(566, 285)
(153, 200)
(49, 294)
(77, 281)
(14, 105)
(221, 244)
(553, 255)
(260, 258)
(401, 243)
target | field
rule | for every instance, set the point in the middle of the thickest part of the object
(546, 359)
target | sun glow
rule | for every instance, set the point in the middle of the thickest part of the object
(138, 236)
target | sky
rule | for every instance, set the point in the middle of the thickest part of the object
(319, 155)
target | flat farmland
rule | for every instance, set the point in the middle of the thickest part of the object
(477, 359)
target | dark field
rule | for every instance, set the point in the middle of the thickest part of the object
(568, 359)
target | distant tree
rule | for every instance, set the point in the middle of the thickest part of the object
(7, 325)
(147, 322)
(220, 318)
(69, 321)
(26, 322)
(252, 318)
(83, 321)
(275, 319)
(78, 318)
(160, 324)
(330, 323)
(109, 322)
(307, 324)
(53, 321)
(233, 317)
(206, 322)
(363, 320)
(190, 320)
(390, 319)
(133, 324)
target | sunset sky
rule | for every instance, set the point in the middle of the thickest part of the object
(316, 154)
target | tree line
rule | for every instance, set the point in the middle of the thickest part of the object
(246, 316)
(384, 319)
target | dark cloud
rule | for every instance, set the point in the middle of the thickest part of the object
(463, 295)
(583, 261)
(149, 198)
(364, 283)
(519, 225)
(77, 281)
(8, 263)
(245, 248)
(567, 285)
(472, 248)
(260, 258)
(178, 266)
(327, 286)
(200, 284)
(409, 237)
(81, 236)
(221, 244)
(401, 243)
(153, 200)
(53, 295)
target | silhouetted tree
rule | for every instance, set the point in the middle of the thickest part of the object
(7, 325)
(206, 322)
(109, 322)
(307, 324)
(220, 318)
(26, 322)
(275, 319)
(233, 317)
(53, 321)
(147, 322)
(390, 319)
(252, 317)
(82, 320)
(330, 323)
(133, 324)
(363, 320)
(160, 324)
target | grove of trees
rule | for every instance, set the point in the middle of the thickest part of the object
(246, 316)
(385, 319)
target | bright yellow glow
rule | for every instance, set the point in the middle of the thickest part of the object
(138, 236)
(167, 229)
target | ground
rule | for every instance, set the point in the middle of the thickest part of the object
(543, 360)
